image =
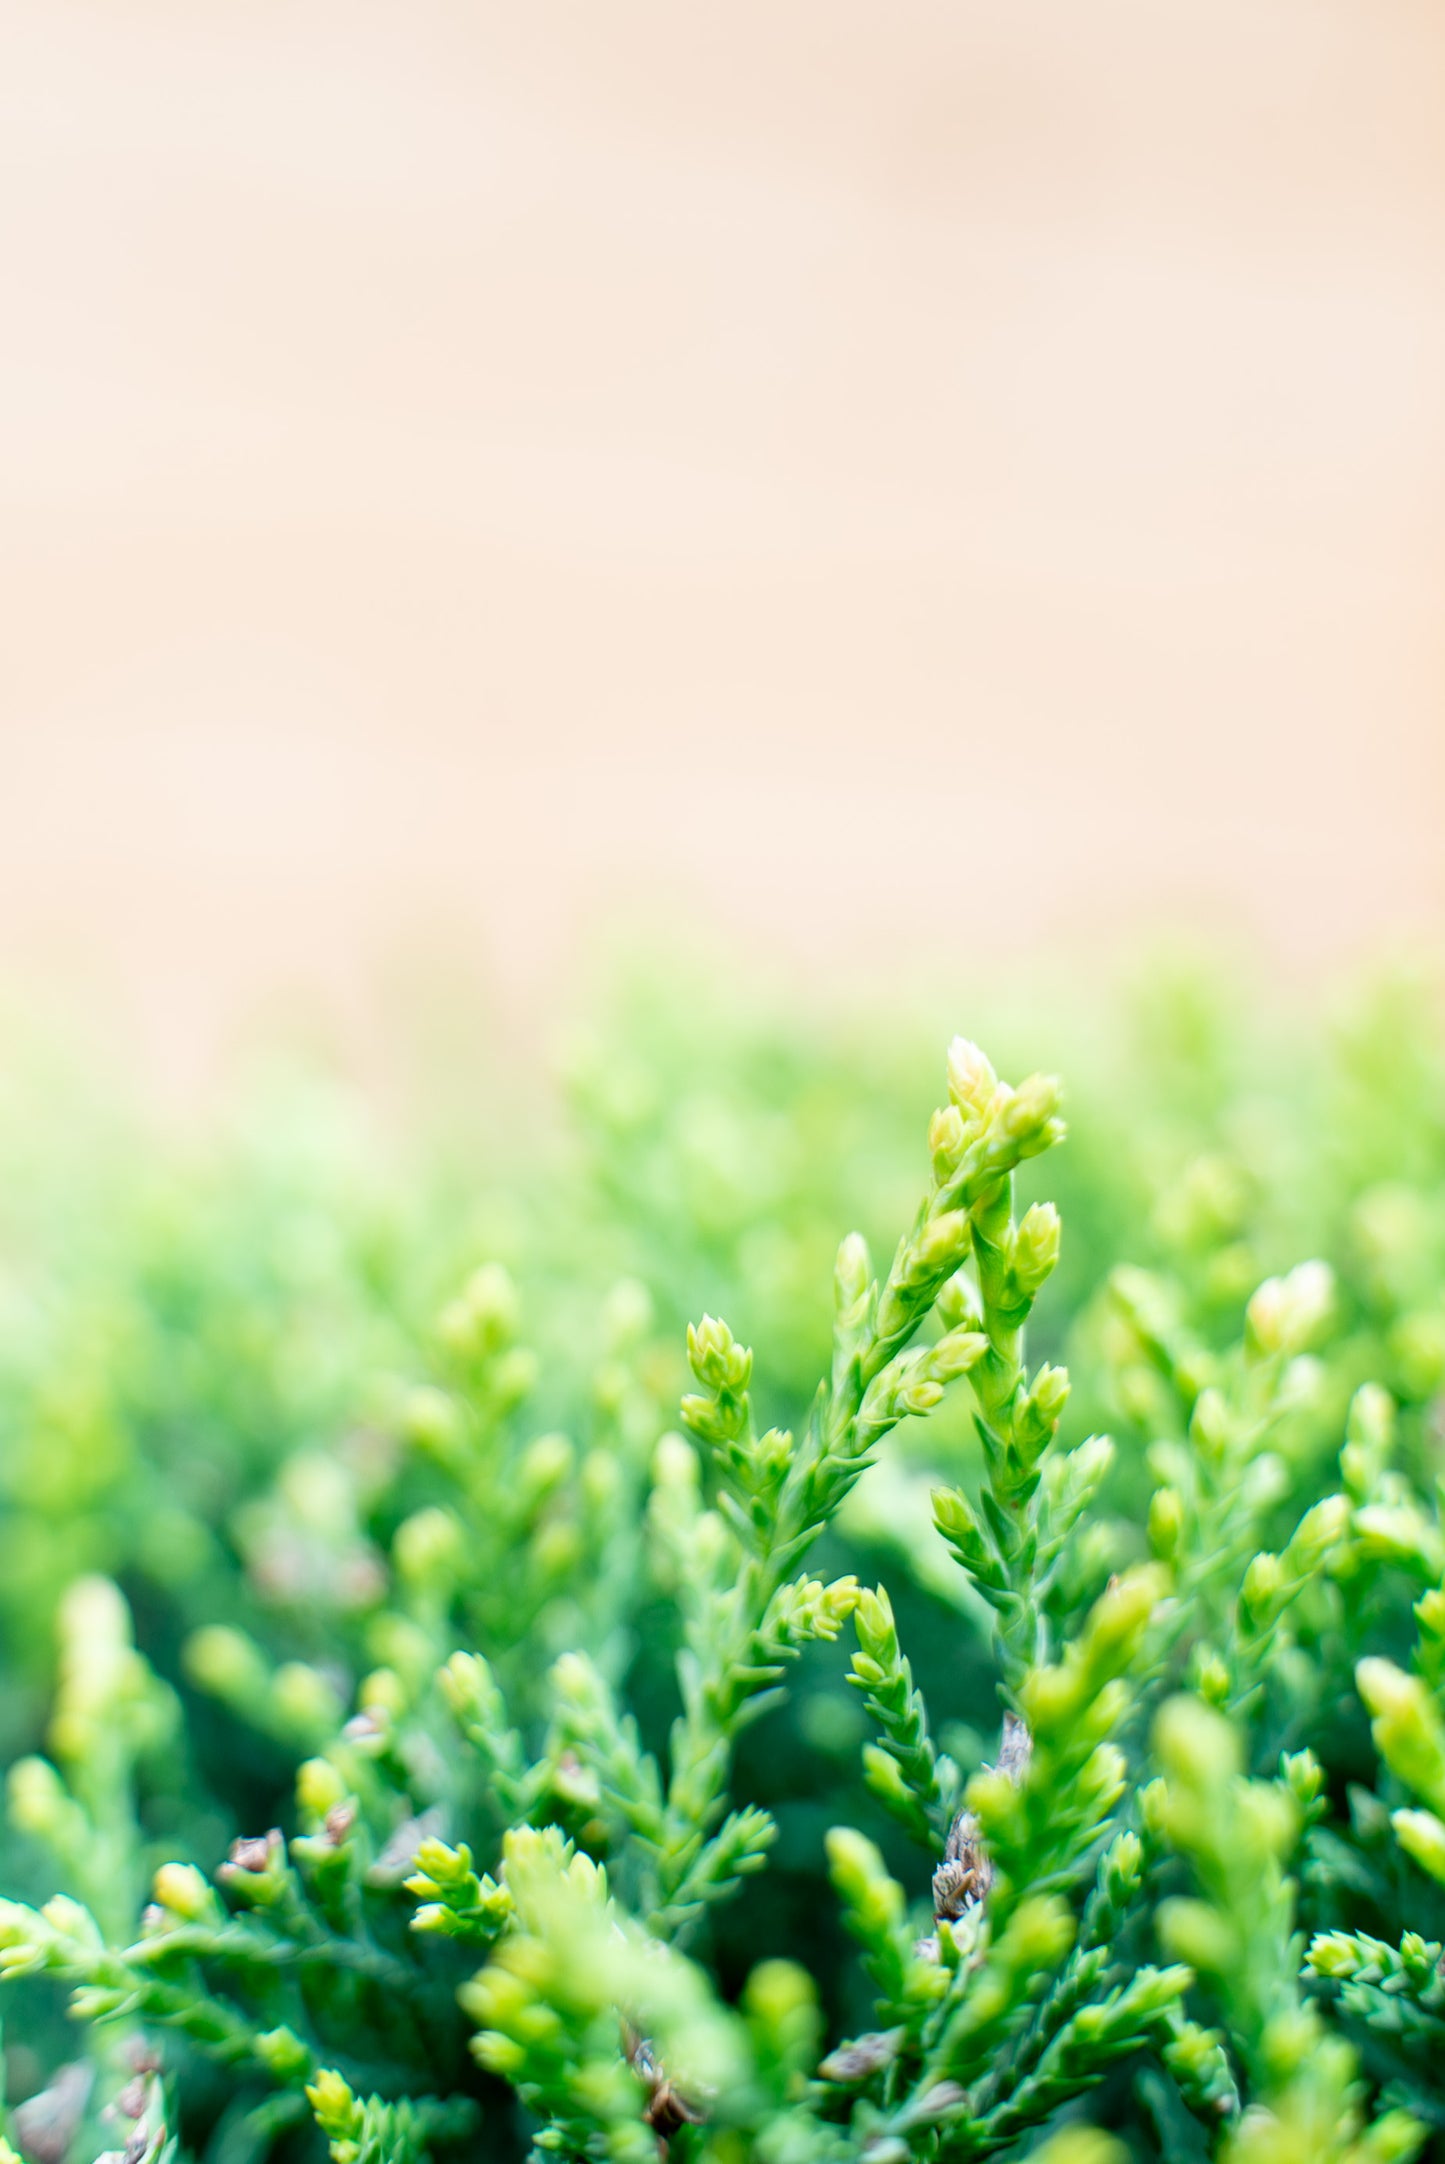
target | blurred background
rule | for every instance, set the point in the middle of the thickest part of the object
(965, 474)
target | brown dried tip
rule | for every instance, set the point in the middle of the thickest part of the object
(865, 2055)
(339, 1821)
(253, 1853)
(143, 2140)
(942, 2098)
(665, 2110)
(1016, 1748)
(132, 2099)
(964, 1877)
(46, 2124)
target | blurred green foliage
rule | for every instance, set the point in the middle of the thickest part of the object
(341, 1490)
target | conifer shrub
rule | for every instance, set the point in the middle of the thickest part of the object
(476, 1730)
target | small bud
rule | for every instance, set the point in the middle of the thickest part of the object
(941, 1245)
(1197, 1748)
(431, 1422)
(955, 1354)
(874, 1900)
(1209, 1675)
(1031, 1116)
(1266, 1820)
(482, 1320)
(1035, 1248)
(383, 1692)
(873, 1621)
(1407, 1727)
(514, 1377)
(1123, 1609)
(1422, 1836)
(226, 1664)
(1370, 1433)
(1320, 1530)
(1400, 1533)
(337, 2112)
(1305, 1778)
(182, 1891)
(444, 1865)
(1041, 1931)
(1042, 1409)
(957, 1521)
(958, 1305)
(1334, 1954)
(546, 1465)
(1395, 2137)
(1082, 1472)
(1430, 1614)
(282, 2053)
(319, 1787)
(716, 1358)
(1166, 1521)
(1154, 1809)
(1211, 1428)
(852, 1273)
(780, 2000)
(919, 1397)
(972, 1083)
(947, 1141)
(36, 1796)
(428, 1548)
(602, 1480)
(1286, 1312)
(1122, 1869)
(305, 1703)
(1263, 1586)
(556, 1551)
(1197, 1934)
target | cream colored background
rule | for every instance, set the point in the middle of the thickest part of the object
(467, 468)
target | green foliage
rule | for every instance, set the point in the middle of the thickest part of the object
(834, 1751)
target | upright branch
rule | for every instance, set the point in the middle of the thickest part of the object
(1010, 1540)
(776, 1495)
